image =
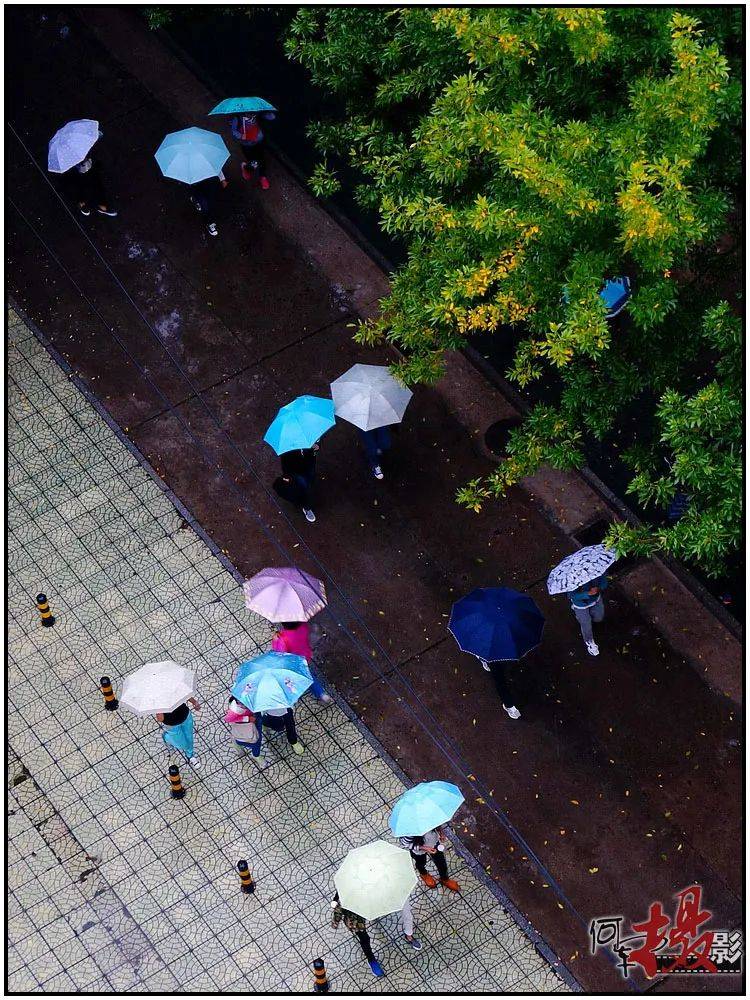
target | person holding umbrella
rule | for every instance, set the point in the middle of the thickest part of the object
(70, 154)
(294, 434)
(417, 820)
(195, 157)
(294, 637)
(248, 113)
(581, 577)
(165, 690)
(372, 881)
(369, 397)
(269, 685)
(497, 624)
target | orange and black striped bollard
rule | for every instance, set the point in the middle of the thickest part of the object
(246, 879)
(321, 977)
(175, 781)
(42, 605)
(110, 702)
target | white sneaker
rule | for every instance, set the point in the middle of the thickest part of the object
(512, 711)
(213, 229)
(309, 515)
(592, 648)
(377, 472)
(194, 763)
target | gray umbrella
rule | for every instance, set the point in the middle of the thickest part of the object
(580, 567)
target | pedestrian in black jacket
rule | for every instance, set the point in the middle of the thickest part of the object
(298, 476)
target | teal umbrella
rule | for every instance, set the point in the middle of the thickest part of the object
(300, 423)
(192, 155)
(236, 105)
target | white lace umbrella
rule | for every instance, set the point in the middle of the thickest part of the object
(375, 879)
(70, 144)
(368, 396)
(157, 687)
(580, 567)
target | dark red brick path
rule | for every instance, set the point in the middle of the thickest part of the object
(624, 764)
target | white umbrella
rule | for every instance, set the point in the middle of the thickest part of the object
(157, 687)
(368, 396)
(70, 144)
(580, 567)
(375, 879)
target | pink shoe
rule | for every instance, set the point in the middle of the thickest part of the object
(265, 183)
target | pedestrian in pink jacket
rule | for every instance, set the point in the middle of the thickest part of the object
(294, 637)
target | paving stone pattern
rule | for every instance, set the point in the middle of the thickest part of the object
(114, 887)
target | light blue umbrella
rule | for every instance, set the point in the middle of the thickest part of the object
(236, 105)
(192, 155)
(272, 680)
(300, 423)
(424, 807)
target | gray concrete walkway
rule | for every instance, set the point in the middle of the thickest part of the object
(114, 887)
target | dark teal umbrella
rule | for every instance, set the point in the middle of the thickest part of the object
(236, 105)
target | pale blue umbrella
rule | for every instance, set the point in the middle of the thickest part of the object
(192, 155)
(272, 680)
(425, 807)
(300, 423)
(236, 105)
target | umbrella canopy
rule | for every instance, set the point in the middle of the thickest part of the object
(375, 879)
(580, 567)
(70, 144)
(368, 396)
(284, 595)
(157, 687)
(496, 623)
(424, 807)
(236, 105)
(615, 294)
(192, 155)
(300, 423)
(272, 680)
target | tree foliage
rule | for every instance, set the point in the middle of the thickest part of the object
(524, 155)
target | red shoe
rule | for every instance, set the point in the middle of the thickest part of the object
(451, 884)
(246, 172)
(428, 880)
(264, 183)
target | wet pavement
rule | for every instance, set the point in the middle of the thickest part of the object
(620, 783)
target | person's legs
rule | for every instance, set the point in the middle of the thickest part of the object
(597, 612)
(291, 732)
(369, 442)
(364, 939)
(383, 439)
(583, 616)
(441, 864)
(420, 860)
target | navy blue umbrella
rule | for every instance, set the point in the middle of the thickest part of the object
(496, 623)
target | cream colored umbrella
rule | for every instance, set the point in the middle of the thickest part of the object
(375, 879)
(157, 687)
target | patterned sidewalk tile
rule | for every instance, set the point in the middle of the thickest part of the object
(115, 887)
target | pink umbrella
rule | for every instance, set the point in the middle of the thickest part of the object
(284, 595)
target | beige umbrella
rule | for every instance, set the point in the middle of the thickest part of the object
(375, 879)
